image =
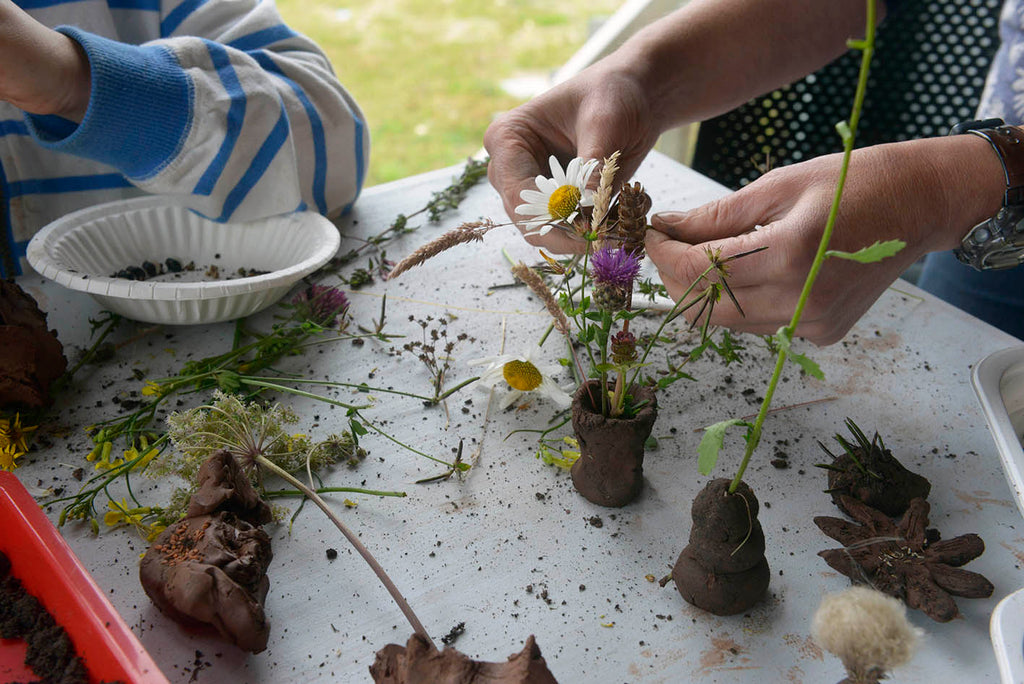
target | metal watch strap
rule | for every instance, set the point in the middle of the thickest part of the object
(1008, 142)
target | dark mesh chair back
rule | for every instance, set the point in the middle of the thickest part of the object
(928, 71)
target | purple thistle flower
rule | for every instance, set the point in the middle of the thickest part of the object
(614, 266)
(321, 304)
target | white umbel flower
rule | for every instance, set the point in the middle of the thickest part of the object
(557, 200)
(519, 375)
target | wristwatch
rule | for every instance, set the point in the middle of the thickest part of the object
(998, 242)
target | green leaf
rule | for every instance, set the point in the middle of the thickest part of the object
(711, 444)
(808, 364)
(782, 339)
(867, 255)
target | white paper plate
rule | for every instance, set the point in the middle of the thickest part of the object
(83, 250)
(1007, 631)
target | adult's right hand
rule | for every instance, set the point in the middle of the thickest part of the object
(602, 110)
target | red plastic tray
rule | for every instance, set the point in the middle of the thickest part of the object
(49, 570)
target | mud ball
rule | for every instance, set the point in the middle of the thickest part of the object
(719, 593)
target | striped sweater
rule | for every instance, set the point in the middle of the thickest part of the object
(215, 101)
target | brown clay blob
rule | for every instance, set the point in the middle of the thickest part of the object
(898, 558)
(31, 357)
(867, 471)
(419, 662)
(211, 566)
(610, 469)
(723, 569)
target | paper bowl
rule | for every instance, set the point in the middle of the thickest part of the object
(83, 250)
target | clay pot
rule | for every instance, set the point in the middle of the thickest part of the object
(723, 569)
(610, 469)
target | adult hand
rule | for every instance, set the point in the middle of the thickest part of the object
(41, 71)
(601, 110)
(927, 193)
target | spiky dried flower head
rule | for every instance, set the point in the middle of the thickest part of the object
(473, 231)
(536, 284)
(614, 266)
(867, 630)
(321, 304)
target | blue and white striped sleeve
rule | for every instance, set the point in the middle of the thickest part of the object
(230, 109)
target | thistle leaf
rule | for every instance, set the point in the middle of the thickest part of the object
(711, 443)
(784, 342)
(867, 255)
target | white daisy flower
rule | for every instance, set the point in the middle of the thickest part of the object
(558, 199)
(521, 374)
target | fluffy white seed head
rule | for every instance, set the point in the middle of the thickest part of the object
(866, 629)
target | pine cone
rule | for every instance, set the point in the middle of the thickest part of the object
(633, 205)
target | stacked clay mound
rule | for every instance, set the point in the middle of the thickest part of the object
(723, 569)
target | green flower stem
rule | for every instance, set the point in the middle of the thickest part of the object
(868, 48)
(258, 382)
(403, 605)
(112, 323)
(673, 313)
(282, 493)
(362, 387)
(412, 449)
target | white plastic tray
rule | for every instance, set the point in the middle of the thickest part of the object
(999, 381)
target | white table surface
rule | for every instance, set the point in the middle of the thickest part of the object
(511, 549)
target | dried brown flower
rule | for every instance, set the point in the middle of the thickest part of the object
(603, 194)
(900, 560)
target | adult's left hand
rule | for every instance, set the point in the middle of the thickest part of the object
(927, 193)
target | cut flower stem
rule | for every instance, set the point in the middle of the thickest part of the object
(377, 568)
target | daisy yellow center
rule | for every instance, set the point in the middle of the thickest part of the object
(522, 375)
(563, 202)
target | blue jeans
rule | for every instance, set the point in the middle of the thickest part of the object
(996, 297)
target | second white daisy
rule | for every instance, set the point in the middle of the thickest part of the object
(519, 375)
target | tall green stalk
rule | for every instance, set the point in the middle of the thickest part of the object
(847, 131)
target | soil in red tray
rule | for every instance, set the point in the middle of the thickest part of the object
(419, 662)
(49, 652)
(723, 569)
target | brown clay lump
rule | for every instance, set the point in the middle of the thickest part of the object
(867, 471)
(900, 560)
(211, 566)
(419, 662)
(31, 356)
(723, 569)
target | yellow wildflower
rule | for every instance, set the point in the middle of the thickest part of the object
(13, 432)
(152, 389)
(121, 512)
(8, 457)
(153, 531)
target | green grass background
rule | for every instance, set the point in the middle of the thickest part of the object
(428, 73)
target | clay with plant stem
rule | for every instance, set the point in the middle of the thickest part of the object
(868, 471)
(210, 567)
(610, 469)
(723, 569)
(419, 662)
